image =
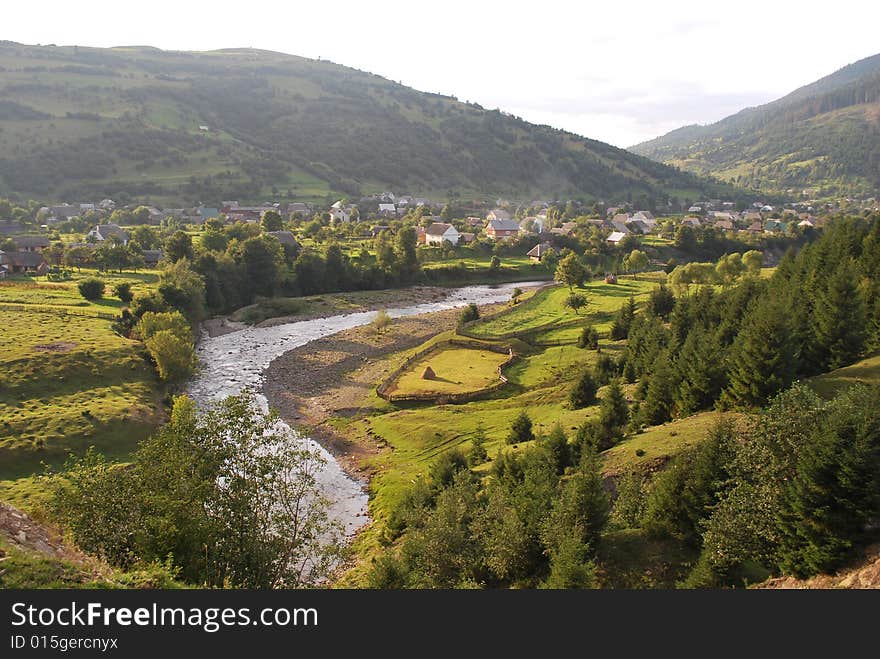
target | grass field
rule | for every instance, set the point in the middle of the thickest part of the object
(866, 371)
(69, 381)
(457, 370)
(547, 308)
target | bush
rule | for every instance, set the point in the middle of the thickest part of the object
(92, 288)
(521, 430)
(123, 292)
(589, 338)
(584, 391)
(469, 313)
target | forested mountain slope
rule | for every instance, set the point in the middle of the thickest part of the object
(825, 136)
(90, 122)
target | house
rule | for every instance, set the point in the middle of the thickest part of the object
(531, 225)
(286, 238)
(467, 238)
(691, 222)
(756, 227)
(339, 215)
(807, 224)
(421, 237)
(500, 229)
(537, 252)
(565, 229)
(31, 243)
(107, 204)
(775, 226)
(207, 212)
(767, 208)
(379, 228)
(695, 209)
(103, 232)
(439, 232)
(387, 210)
(64, 211)
(647, 217)
(638, 226)
(497, 214)
(18, 262)
(299, 207)
(724, 225)
(152, 257)
(474, 222)
(615, 237)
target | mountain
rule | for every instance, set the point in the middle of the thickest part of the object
(91, 122)
(824, 136)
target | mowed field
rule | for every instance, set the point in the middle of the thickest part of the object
(456, 370)
(68, 382)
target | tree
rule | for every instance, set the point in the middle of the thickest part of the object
(469, 314)
(685, 239)
(589, 338)
(152, 322)
(122, 290)
(635, 262)
(214, 241)
(763, 358)
(613, 413)
(262, 260)
(584, 391)
(753, 260)
(840, 321)
(832, 497)
(229, 496)
(570, 271)
(405, 244)
(145, 237)
(495, 264)
(729, 268)
(272, 221)
(661, 302)
(624, 319)
(521, 430)
(183, 288)
(386, 258)
(179, 246)
(478, 454)
(658, 404)
(174, 356)
(575, 302)
(91, 288)
(381, 321)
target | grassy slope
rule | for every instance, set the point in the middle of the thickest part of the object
(127, 119)
(69, 382)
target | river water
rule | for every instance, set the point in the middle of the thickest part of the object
(233, 362)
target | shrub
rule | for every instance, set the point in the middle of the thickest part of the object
(589, 338)
(123, 292)
(91, 288)
(584, 391)
(469, 313)
(521, 430)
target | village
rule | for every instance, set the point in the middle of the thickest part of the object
(69, 234)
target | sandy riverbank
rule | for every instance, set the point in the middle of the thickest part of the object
(333, 304)
(333, 377)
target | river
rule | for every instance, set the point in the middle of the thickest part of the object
(233, 362)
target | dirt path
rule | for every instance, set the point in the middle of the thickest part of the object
(334, 376)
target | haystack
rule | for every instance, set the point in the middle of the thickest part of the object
(428, 374)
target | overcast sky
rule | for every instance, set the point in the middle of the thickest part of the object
(621, 72)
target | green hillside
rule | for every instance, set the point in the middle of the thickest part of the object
(824, 137)
(245, 124)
